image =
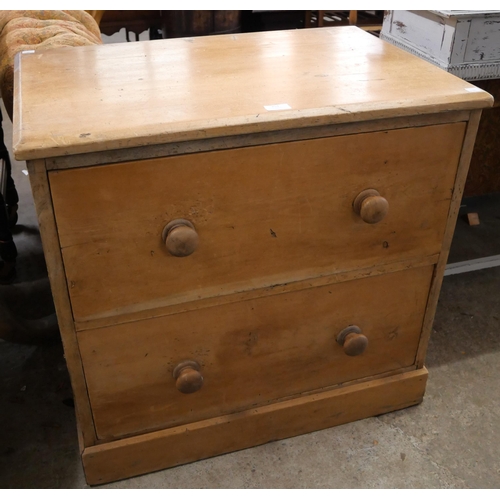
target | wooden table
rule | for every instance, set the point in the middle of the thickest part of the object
(245, 234)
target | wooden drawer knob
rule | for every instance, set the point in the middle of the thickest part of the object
(180, 237)
(187, 376)
(370, 206)
(352, 340)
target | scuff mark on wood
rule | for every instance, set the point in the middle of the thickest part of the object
(400, 26)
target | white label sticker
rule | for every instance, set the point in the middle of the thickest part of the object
(277, 107)
(473, 89)
(28, 52)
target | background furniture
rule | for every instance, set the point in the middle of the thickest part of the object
(171, 23)
(368, 20)
(254, 252)
(179, 23)
(134, 21)
(467, 44)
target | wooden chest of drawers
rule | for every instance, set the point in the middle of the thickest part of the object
(245, 234)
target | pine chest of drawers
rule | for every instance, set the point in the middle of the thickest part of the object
(245, 234)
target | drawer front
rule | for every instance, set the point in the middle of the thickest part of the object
(250, 353)
(263, 216)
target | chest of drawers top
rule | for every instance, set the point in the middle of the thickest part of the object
(116, 96)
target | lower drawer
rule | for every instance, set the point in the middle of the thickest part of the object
(250, 353)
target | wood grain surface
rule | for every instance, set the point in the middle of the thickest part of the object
(194, 88)
(158, 450)
(251, 352)
(52, 252)
(264, 215)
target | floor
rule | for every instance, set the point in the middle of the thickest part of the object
(451, 440)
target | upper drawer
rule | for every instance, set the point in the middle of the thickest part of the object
(264, 215)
